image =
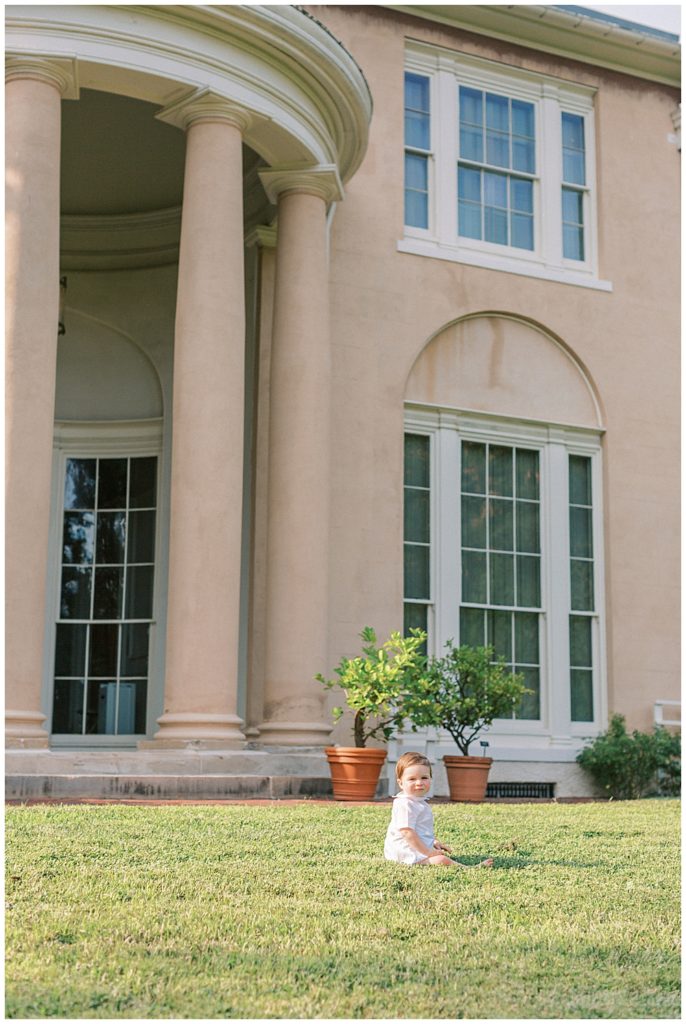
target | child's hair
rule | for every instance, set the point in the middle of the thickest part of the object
(409, 759)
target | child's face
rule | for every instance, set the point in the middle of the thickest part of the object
(415, 780)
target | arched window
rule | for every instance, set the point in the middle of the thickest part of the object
(503, 517)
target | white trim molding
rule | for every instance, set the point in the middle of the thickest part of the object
(553, 735)
(308, 100)
(549, 99)
(565, 31)
(101, 439)
(62, 73)
(120, 240)
(318, 181)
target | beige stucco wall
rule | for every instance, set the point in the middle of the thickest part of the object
(386, 305)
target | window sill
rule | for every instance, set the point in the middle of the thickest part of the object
(508, 265)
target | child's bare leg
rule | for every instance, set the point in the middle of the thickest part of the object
(439, 860)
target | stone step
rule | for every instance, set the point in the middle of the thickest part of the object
(189, 761)
(164, 786)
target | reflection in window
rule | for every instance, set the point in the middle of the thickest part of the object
(496, 132)
(417, 150)
(582, 587)
(501, 558)
(574, 180)
(106, 596)
(417, 531)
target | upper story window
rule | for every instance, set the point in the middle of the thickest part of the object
(499, 168)
(417, 150)
(496, 132)
(573, 186)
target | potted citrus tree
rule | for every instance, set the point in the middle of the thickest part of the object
(463, 692)
(375, 686)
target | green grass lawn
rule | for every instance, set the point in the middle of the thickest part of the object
(289, 910)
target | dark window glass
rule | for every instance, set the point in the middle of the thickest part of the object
(78, 535)
(101, 707)
(70, 650)
(104, 641)
(134, 649)
(79, 485)
(67, 713)
(139, 580)
(143, 485)
(472, 627)
(107, 600)
(112, 483)
(75, 595)
(141, 537)
(417, 571)
(111, 538)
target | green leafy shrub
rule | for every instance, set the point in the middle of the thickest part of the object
(376, 684)
(629, 766)
(463, 692)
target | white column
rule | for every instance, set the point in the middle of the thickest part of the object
(200, 703)
(34, 89)
(299, 453)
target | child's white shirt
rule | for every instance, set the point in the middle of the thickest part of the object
(408, 812)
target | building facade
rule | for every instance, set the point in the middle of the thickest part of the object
(323, 317)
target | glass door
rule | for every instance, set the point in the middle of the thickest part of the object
(101, 666)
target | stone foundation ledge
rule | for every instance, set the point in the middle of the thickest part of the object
(570, 781)
(165, 787)
(306, 762)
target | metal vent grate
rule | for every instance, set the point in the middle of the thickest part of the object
(527, 790)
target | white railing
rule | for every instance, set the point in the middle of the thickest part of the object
(659, 712)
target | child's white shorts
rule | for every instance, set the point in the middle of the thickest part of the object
(403, 853)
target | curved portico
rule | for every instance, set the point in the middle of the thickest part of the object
(274, 81)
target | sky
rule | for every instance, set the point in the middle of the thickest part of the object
(663, 16)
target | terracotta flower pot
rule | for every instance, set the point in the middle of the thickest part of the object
(354, 771)
(467, 777)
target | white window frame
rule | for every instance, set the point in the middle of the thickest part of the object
(447, 428)
(551, 97)
(118, 439)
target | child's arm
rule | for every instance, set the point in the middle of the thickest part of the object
(413, 840)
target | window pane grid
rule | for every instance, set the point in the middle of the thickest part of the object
(417, 150)
(581, 534)
(494, 206)
(504, 569)
(514, 637)
(417, 527)
(581, 668)
(506, 136)
(573, 174)
(573, 149)
(501, 595)
(113, 542)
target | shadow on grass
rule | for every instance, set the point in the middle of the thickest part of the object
(525, 861)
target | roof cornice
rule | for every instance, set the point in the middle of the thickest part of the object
(566, 33)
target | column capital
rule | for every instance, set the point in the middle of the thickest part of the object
(263, 236)
(204, 105)
(62, 73)
(322, 181)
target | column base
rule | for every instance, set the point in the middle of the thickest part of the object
(196, 730)
(24, 730)
(294, 734)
